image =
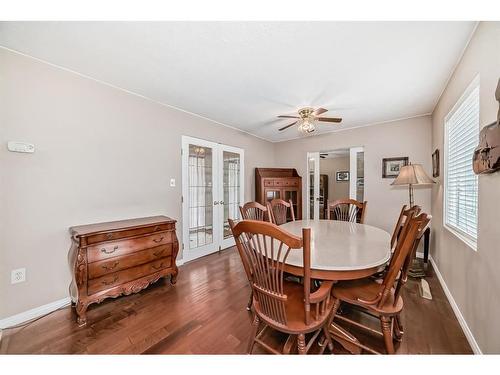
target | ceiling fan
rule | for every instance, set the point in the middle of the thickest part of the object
(306, 118)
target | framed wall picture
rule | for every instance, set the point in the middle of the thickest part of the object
(391, 166)
(435, 163)
(342, 176)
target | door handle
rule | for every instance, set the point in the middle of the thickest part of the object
(221, 202)
(216, 203)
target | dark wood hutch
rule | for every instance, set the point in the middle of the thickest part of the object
(282, 183)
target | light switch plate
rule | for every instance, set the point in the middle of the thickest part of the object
(15, 146)
(18, 276)
(172, 182)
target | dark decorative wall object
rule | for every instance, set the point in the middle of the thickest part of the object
(486, 157)
(435, 163)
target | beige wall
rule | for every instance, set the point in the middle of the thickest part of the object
(101, 154)
(410, 138)
(330, 166)
(473, 277)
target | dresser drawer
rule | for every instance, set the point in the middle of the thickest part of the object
(115, 235)
(268, 183)
(104, 267)
(291, 183)
(121, 277)
(118, 248)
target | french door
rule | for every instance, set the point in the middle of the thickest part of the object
(212, 191)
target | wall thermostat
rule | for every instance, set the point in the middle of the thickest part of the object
(20, 147)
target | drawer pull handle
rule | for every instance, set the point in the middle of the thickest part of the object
(105, 251)
(158, 240)
(157, 228)
(158, 253)
(157, 267)
(109, 268)
(109, 236)
(115, 279)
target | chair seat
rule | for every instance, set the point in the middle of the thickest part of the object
(366, 289)
(295, 309)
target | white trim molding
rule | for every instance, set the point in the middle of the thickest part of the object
(461, 320)
(34, 313)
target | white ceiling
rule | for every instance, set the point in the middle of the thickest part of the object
(244, 74)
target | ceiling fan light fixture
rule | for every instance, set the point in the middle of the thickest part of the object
(306, 126)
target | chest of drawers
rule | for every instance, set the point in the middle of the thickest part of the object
(120, 258)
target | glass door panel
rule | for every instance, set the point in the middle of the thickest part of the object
(231, 189)
(200, 161)
(272, 194)
(199, 194)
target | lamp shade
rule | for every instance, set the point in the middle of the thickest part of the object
(413, 174)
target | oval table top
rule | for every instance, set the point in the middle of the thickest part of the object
(340, 250)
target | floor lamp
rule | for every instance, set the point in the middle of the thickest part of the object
(414, 175)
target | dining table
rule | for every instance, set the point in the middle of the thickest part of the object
(340, 250)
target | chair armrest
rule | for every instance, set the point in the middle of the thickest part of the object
(322, 293)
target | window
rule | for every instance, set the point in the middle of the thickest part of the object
(460, 187)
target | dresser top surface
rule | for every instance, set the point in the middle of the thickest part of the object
(82, 230)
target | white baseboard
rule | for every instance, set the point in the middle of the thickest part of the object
(468, 333)
(179, 262)
(33, 313)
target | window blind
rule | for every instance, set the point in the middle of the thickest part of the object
(461, 191)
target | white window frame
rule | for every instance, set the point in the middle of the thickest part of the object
(464, 237)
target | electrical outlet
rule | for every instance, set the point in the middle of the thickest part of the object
(18, 276)
(172, 182)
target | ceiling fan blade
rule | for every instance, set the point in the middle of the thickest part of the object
(319, 111)
(286, 127)
(329, 119)
(286, 116)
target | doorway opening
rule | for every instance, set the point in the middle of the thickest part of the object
(332, 175)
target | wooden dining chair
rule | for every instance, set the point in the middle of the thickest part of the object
(254, 211)
(278, 210)
(280, 304)
(347, 210)
(403, 217)
(383, 299)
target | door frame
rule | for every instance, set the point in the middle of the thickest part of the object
(315, 157)
(218, 241)
(353, 168)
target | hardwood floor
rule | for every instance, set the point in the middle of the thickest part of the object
(204, 313)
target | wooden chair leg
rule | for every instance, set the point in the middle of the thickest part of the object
(301, 343)
(398, 328)
(328, 338)
(255, 329)
(335, 308)
(387, 332)
(250, 301)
